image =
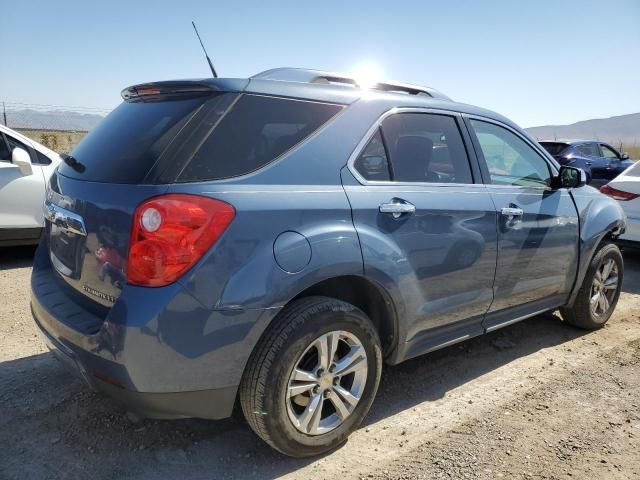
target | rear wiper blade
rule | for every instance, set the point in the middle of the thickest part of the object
(73, 163)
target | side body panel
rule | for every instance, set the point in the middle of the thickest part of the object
(537, 252)
(438, 264)
(537, 246)
(242, 271)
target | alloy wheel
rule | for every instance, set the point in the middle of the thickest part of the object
(326, 383)
(603, 288)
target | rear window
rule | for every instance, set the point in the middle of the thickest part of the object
(194, 139)
(634, 171)
(554, 148)
(256, 131)
(128, 142)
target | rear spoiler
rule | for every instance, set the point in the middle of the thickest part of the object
(183, 87)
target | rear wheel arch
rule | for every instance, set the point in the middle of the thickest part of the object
(366, 295)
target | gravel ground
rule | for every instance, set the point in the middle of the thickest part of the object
(538, 399)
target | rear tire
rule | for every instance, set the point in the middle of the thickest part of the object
(289, 358)
(600, 290)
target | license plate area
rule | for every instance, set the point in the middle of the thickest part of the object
(66, 252)
(67, 239)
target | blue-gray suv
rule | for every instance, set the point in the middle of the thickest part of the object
(270, 242)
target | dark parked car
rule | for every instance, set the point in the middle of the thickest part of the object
(600, 160)
(272, 241)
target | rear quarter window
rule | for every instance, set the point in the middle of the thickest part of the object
(196, 138)
(634, 171)
(254, 132)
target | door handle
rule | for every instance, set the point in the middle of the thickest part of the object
(588, 163)
(397, 208)
(512, 212)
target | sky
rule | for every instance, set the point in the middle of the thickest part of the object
(537, 62)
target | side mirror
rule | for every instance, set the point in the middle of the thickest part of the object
(21, 159)
(571, 177)
(625, 156)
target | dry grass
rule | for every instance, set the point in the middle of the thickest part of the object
(632, 150)
(61, 142)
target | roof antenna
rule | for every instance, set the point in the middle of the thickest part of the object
(213, 70)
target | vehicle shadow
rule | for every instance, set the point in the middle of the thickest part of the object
(16, 257)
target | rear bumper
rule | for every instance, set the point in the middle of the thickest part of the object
(214, 403)
(158, 351)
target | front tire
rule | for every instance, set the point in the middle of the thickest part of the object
(313, 376)
(600, 290)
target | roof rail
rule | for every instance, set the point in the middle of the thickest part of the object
(318, 76)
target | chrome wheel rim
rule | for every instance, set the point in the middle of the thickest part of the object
(603, 288)
(326, 383)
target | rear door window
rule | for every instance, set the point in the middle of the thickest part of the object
(588, 149)
(254, 132)
(426, 148)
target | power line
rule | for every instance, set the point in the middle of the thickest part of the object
(23, 105)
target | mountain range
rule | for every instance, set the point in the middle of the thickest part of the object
(51, 120)
(623, 129)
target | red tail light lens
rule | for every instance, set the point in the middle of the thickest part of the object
(618, 194)
(171, 233)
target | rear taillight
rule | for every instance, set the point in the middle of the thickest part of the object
(618, 194)
(171, 233)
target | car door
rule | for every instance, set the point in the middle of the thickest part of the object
(427, 229)
(21, 195)
(537, 227)
(613, 160)
(596, 165)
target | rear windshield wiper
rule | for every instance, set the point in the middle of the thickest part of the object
(73, 163)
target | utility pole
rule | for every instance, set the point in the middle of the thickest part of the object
(4, 114)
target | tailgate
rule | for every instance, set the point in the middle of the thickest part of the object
(88, 226)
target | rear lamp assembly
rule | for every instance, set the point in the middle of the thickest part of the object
(171, 233)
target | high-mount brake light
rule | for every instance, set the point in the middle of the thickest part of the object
(147, 91)
(170, 89)
(171, 233)
(618, 194)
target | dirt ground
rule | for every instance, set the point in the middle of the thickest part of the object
(538, 399)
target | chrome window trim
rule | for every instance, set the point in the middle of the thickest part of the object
(378, 123)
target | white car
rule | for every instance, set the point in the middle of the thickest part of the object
(25, 168)
(626, 189)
